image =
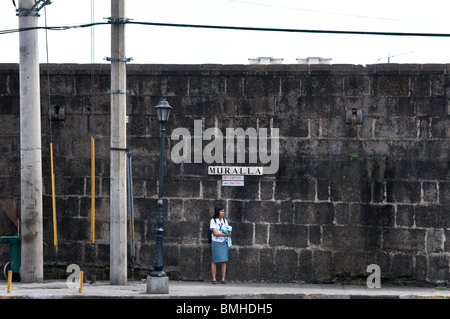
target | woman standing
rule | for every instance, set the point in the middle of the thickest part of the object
(219, 244)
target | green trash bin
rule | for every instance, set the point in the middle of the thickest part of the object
(14, 254)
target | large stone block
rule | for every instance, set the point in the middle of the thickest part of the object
(248, 191)
(242, 234)
(299, 127)
(405, 215)
(346, 238)
(431, 106)
(200, 210)
(206, 85)
(181, 188)
(262, 85)
(298, 235)
(403, 192)
(248, 264)
(190, 263)
(295, 189)
(305, 267)
(405, 127)
(438, 269)
(402, 266)
(391, 84)
(181, 231)
(402, 239)
(307, 213)
(261, 211)
(434, 216)
(267, 264)
(261, 234)
(357, 85)
(286, 265)
(447, 241)
(200, 105)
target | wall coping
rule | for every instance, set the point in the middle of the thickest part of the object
(211, 69)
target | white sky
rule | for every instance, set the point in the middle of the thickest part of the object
(151, 44)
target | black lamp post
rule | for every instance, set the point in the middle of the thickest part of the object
(163, 111)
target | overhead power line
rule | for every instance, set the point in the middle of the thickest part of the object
(160, 24)
(294, 30)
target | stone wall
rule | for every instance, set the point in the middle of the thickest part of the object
(345, 195)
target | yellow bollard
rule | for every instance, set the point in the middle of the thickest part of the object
(93, 190)
(9, 281)
(80, 290)
(55, 232)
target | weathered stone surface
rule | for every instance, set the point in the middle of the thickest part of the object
(344, 196)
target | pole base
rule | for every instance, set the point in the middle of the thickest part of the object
(158, 273)
(157, 285)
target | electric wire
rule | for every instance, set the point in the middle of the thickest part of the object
(236, 28)
(293, 30)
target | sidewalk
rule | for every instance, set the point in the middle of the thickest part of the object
(58, 289)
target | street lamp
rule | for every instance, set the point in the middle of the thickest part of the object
(163, 112)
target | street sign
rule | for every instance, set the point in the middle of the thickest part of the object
(232, 177)
(232, 180)
(232, 183)
(235, 170)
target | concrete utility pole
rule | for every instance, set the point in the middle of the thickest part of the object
(118, 196)
(32, 262)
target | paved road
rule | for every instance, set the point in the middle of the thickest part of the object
(58, 289)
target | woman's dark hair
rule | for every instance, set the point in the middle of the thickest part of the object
(217, 209)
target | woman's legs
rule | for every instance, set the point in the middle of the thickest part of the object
(213, 271)
(223, 269)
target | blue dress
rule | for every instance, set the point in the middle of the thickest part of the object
(219, 245)
(219, 250)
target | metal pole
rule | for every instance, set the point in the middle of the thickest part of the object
(118, 192)
(158, 282)
(32, 264)
(158, 263)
